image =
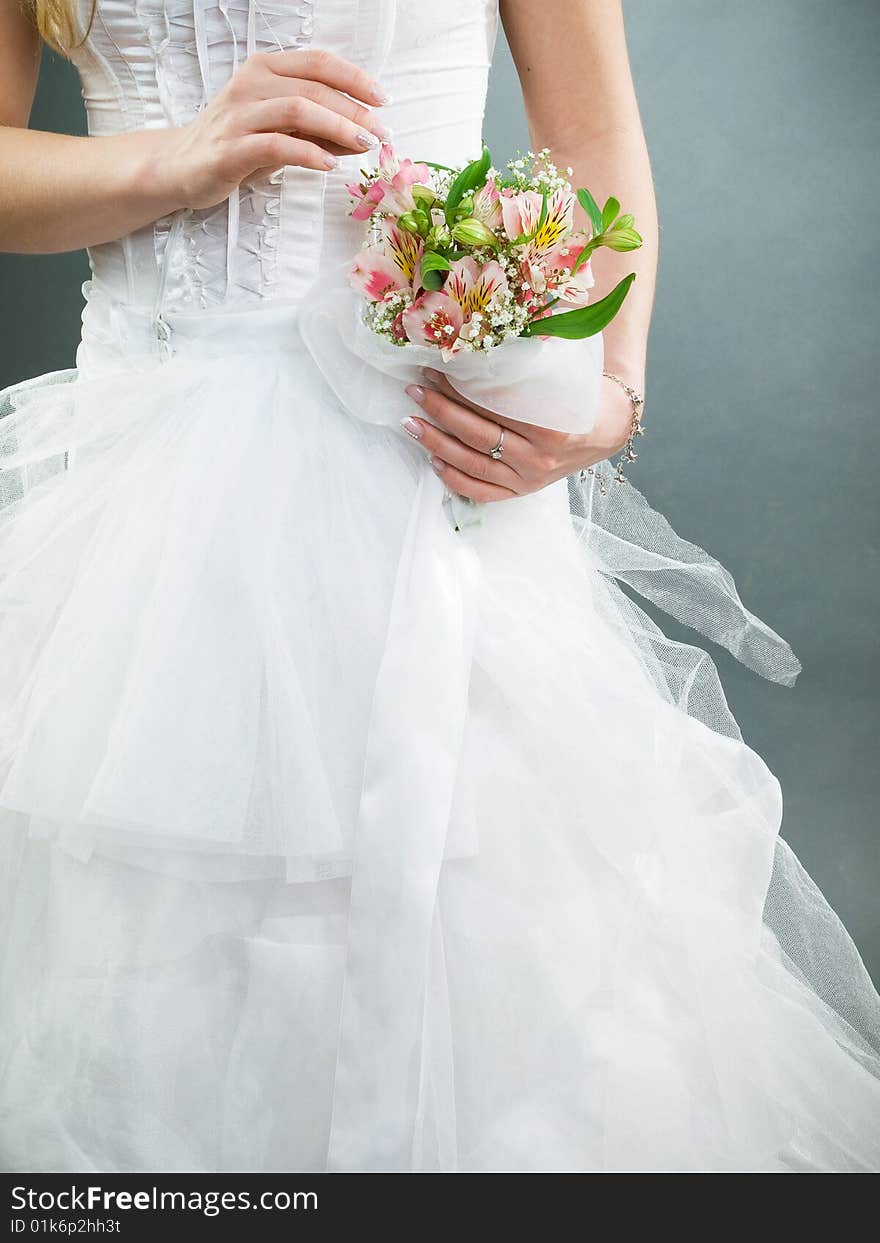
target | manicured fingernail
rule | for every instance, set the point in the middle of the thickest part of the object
(380, 130)
(365, 139)
(416, 392)
(330, 161)
(379, 95)
(412, 427)
(437, 466)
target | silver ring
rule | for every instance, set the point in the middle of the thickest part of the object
(499, 448)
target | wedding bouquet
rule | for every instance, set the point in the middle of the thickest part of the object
(480, 274)
(462, 260)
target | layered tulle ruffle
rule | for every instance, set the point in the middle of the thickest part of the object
(625, 968)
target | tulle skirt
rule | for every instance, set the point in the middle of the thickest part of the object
(619, 965)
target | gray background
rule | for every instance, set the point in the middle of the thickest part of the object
(762, 117)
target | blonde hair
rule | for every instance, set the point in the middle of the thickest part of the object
(56, 22)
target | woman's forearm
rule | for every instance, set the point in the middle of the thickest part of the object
(580, 102)
(59, 192)
(616, 163)
(289, 108)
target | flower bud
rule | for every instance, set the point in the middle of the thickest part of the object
(621, 239)
(473, 232)
(409, 222)
(423, 196)
(438, 238)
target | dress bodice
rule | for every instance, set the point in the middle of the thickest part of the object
(154, 63)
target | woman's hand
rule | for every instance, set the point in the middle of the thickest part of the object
(279, 108)
(460, 436)
(63, 192)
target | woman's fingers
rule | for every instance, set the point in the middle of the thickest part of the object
(302, 117)
(273, 86)
(331, 70)
(279, 108)
(259, 152)
(471, 462)
(479, 431)
(442, 385)
(459, 436)
(466, 485)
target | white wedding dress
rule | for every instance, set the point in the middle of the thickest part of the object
(333, 838)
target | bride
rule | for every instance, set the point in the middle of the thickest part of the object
(334, 838)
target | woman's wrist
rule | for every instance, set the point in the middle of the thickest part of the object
(150, 175)
(628, 365)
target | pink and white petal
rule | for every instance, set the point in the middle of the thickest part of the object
(487, 205)
(373, 275)
(433, 319)
(564, 256)
(574, 296)
(398, 198)
(521, 212)
(388, 161)
(403, 249)
(474, 285)
(461, 277)
(370, 201)
(490, 282)
(409, 174)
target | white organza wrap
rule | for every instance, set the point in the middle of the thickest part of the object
(544, 381)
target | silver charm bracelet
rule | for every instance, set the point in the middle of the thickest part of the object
(628, 454)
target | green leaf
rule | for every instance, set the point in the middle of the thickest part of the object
(443, 168)
(543, 216)
(591, 207)
(586, 321)
(471, 177)
(582, 258)
(432, 262)
(609, 213)
(546, 306)
(432, 279)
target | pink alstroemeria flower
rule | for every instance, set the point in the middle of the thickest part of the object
(367, 199)
(487, 206)
(445, 318)
(397, 177)
(435, 319)
(557, 269)
(390, 265)
(521, 213)
(374, 275)
(391, 189)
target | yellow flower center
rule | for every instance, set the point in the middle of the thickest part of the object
(404, 250)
